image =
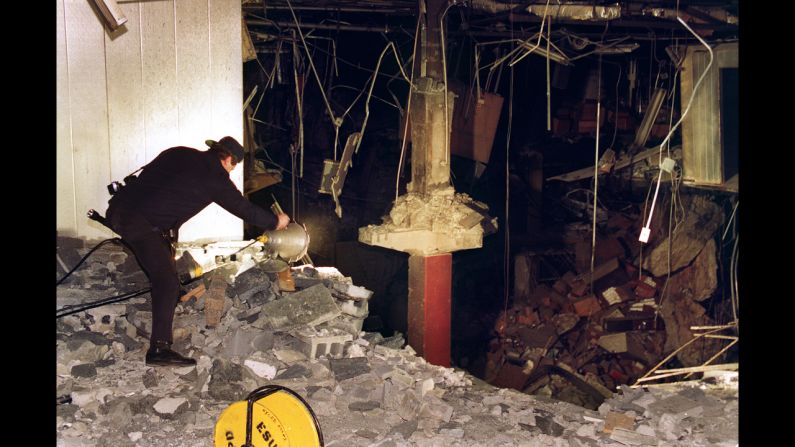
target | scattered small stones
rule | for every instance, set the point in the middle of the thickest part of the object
(376, 392)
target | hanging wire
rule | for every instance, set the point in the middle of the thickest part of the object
(507, 246)
(446, 161)
(549, 89)
(687, 109)
(408, 108)
(596, 162)
(312, 66)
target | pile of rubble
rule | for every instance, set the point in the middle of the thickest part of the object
(582, 336)
(366, 390)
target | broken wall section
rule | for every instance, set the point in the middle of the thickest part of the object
(575, 335)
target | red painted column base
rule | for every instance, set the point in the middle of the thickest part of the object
(429, 307)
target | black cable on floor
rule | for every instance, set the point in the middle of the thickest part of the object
(115, 239)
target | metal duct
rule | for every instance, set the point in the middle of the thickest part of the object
(577, 12)
(718, 14)
(490, 6)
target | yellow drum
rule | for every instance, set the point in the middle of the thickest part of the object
(271, 416)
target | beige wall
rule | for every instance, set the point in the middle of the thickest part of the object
(171, 75)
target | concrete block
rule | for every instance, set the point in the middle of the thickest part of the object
(330, 344)
(261, 369)
(358, 309)
(615, 295)
(349, 367)
(240, 344)
(615, 343)
(409, 406)
(400, 378)
(352, 291)
(629, 437)
(170, 406)
(84, 370)
(436, 410)
(295, 372)
(347, 323)
(308, 307)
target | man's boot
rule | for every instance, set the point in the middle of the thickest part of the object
(160, 354)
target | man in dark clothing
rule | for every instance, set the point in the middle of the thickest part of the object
(149, 210)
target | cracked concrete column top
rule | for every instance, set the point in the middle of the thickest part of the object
(440, 222)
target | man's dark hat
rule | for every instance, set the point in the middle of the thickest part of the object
(230, 145)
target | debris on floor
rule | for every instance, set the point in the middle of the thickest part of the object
(598, 321)
(366, 390)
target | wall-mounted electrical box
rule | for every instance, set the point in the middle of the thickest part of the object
(710, 144)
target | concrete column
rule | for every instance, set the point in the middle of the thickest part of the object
(430, 279)
(430, 138)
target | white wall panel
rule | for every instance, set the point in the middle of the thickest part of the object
(226, 96)
(125, 95)
(66, 221)
(161, 120)
(172, 75)
(89, 114)
(195, 102)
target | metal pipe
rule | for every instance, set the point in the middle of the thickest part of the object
(375, 29)
(338, 8)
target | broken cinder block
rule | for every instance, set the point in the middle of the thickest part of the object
(308, 307)
(351, 291)
(354, 308)
(331, 344)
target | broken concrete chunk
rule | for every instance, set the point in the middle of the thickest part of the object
(295, 372)
(396, 341)
(363, 406)
(349, 367)
(224, 381)
(347, 323)
(77, 339)
(351, 291)
(549, 426)
(84, 370)
(615, 343)
(358, 309)
(171, 406)
(629, 437)
(618, 420)
(308, 307)
(253, 287)
(261, 369)
(409, 405)
(436, 410)
(289, 356)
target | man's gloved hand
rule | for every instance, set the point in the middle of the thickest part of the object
(283, 221)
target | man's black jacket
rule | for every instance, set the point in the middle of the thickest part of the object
(182, 181)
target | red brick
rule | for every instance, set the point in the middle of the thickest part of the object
(561, 287)
(527, 317)
(609, 248)
(643, 290)
(587, 306)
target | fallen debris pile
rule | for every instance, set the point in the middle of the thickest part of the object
(366, 390)
(581, 334)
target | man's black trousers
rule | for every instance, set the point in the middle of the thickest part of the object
(155, 256)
